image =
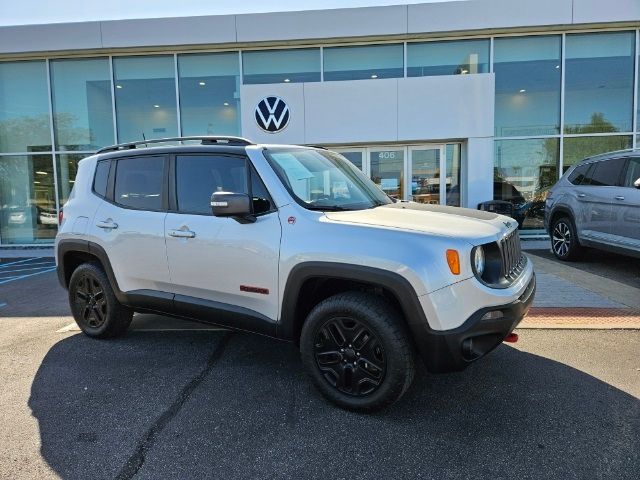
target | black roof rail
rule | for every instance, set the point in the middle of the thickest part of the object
(204, 140)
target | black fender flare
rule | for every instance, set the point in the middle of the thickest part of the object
(393, 282)
(70, 245)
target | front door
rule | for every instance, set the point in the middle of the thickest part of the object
(221, 260)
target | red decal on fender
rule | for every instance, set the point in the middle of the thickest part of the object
(250, 289)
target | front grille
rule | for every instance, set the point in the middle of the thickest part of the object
(512, 259)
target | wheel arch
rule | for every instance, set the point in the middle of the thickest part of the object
(311, 282)
(72, 253)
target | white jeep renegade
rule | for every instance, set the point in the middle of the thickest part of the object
(297, 244)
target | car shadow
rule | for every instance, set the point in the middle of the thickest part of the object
(216, 404)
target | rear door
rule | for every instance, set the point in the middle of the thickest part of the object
(626, 207)
(219, 259)
(129, 225)
(595, 198)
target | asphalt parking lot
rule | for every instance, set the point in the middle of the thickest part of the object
(174, 400)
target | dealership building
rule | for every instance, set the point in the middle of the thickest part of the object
(453, 103)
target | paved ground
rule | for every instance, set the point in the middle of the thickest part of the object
(194, 403)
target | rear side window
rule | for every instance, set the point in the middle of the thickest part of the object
(101, 178)
(198, 176)
(579, 174)
(633, 172)
(139, 183)
(607, 173)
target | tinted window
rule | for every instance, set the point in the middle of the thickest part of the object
(606, 173)
(458, 57)
(281, 66)
(139, 182)
(578, 175)
(261, 200)
(100, 180)
(361, 62)
(198, 176)
(633, 172)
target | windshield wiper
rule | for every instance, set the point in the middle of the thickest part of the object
(327, 208)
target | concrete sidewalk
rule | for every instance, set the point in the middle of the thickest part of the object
(568, 297)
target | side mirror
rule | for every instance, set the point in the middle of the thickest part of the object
(235, 205)
(637, 183)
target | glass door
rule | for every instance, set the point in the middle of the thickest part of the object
(355, 155)
(427, 183)
(387, 170)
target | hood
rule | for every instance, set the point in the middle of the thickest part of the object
(474, 226)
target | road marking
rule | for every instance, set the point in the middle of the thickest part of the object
(19, 261)
(15, 279)
(6, 272)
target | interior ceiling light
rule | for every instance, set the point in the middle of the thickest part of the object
(464, 72)
(286, 80)
(156, 106)
(522, 90)
(201, 83)
(118, 86)
(40, 172)
(226, 104)
(374, 76)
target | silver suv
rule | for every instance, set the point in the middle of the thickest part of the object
(596, 203)
(293, 243)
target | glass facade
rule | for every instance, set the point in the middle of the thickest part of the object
(25, 125)
(27, 196)
(456, 57)
(209, 93)
(56, 111)
(145, 97)
(81, 103)
(281, 66)
(599, 82)
(528, 73)
(364, 62)
(525, 169)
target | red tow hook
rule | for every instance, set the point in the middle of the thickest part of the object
(511, 338)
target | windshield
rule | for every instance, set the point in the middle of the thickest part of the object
(324, 180)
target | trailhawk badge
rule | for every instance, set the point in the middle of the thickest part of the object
(272, 114)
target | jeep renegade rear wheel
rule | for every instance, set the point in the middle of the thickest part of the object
(94, 305)
(357, 351)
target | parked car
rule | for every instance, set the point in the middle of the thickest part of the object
(596, 203)
(294, 243)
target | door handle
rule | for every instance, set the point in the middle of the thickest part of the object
(582, 195)
(619, 197)
(182, 233)
(107, 224)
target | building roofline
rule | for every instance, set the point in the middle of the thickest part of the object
(282, 28)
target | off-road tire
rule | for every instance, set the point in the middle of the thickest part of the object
(383, 327)
(94, 305)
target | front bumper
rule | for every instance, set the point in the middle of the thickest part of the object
(453, 350)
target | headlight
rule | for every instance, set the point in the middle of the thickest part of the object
(478, 260)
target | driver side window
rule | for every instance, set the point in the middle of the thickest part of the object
(199, 176)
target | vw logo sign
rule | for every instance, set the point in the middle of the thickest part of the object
(272, 114)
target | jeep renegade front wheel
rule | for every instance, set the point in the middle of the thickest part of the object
(357, 351)
(94, 305)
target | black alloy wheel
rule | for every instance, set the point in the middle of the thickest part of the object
(350, 356)
(94, 305)
(356, 348)
(90, 298)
